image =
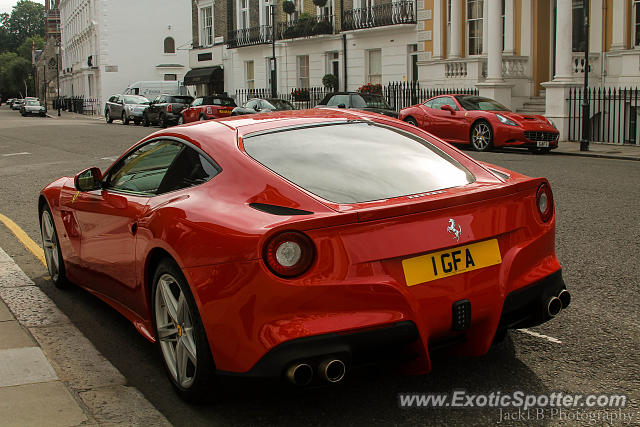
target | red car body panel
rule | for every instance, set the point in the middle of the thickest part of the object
(455, 127)
(356, 281)
(193, 114)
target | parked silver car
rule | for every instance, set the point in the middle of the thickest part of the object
(125, 108)
(33, 106)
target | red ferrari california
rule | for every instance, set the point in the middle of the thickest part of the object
(481, 122)
(299, 244)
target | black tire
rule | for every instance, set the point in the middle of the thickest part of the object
(51, 247)
(136, 122)
(181, 120)
(125, 119)
(107, 116)
(163, 120)
(145, 120)
(411, 121)
(201, 381)
(481, 136)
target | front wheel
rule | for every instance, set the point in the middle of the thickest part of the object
(107, 116)
(411, 121)
(481, 136)
(180, 334)
(51, 248)
(145, 120)
(125, 120)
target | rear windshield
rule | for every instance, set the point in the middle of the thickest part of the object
(356, 162)
(227, 102)
(181, 99)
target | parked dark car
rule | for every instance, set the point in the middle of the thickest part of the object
(165, 110)
(262, 105)
(33, 107)
(359, 101)
(125, 108)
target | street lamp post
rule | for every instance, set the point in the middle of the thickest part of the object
(274, 83)
(584, 142)
(58, 74)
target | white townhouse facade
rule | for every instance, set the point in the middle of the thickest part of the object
(109, 44)
(355, 40)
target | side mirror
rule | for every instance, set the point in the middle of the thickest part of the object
(88, 180)
(448, 108)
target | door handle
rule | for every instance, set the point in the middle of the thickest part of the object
(134, 228)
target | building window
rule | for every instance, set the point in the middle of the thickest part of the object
(579, 41)
(413, 63)
(474, 26)
(503, 22)
(374, 66)
(636, 23)
(243, 14)
(169, 45)
(303, 71)
(206, 26)
(249, 75)
(170, 77)
(448, 41)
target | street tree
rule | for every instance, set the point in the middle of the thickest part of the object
(26, 20)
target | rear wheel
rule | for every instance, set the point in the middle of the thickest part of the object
(145, 120)
(51, 248)
(125, 120)
(180, 334)
(481, 136)
(163, 121)
(411, 121)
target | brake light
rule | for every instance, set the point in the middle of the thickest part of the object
(544, 201)
(169, 108)
(289, 254)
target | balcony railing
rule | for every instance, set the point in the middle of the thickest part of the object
(396, 12)
(249, 36)
(306, 26)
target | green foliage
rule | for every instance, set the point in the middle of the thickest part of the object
(15, 73)
(330, 81)
(288, 7)
(320, 3)
(24, 50)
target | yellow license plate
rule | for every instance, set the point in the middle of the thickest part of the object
(438, 265)
(225, 111)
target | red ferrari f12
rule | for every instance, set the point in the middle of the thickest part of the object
(299, 244)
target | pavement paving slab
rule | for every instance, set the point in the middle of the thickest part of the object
(43, 404)
(14, 336)
(32, 307)
(25, 365)
(5, 314)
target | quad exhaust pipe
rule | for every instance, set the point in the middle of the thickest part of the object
(330, 370)
(556, 304)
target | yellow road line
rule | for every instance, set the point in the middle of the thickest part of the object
(26, 241)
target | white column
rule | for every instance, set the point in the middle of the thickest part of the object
(436, 18)
(485, 26)
(563, 41)
(494, 48)
(619, 25)
(509, 48)
(454, 36)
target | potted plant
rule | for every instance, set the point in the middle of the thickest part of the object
(375, 89)
(320, 3)
(330, 81)
(288, 7)
(300, 95)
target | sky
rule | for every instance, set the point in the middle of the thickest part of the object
(7, 5)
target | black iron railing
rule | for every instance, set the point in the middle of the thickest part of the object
(306, 26)
(399, 95)
(77, 104)
(249, 36)
(613, 114)
(396, 12)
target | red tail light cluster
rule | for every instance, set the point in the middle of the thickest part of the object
(169, 108)
(544, 201)
(289, 254)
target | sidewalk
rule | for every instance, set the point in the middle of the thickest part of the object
(53, 114)
(50, 374)
(607, 151)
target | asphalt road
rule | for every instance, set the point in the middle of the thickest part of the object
(598, 235)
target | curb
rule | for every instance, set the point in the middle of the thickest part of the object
(96, 389)
(595, 155)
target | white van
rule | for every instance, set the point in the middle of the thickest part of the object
(151, 89)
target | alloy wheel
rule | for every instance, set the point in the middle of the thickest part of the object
(50, 245)
(175, 331)
(481, 137)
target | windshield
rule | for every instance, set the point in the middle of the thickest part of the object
(34, 103)
(470, 102)
(181, 99)
(279, 104)
(356, 162)
(134, 99)
(370, 101)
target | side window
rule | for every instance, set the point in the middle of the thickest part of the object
(430, 103)
(198, 101)
(251, 104)
(158, 100)
(337, 100)
(358, 102)
(188, 169)
(112, 99)
(142, 170)
(266, 105)
(116, 99)
(445, 100)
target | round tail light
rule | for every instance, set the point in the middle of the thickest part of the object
(544, 201)
(289, 254)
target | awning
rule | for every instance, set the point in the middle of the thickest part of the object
(203, 75)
